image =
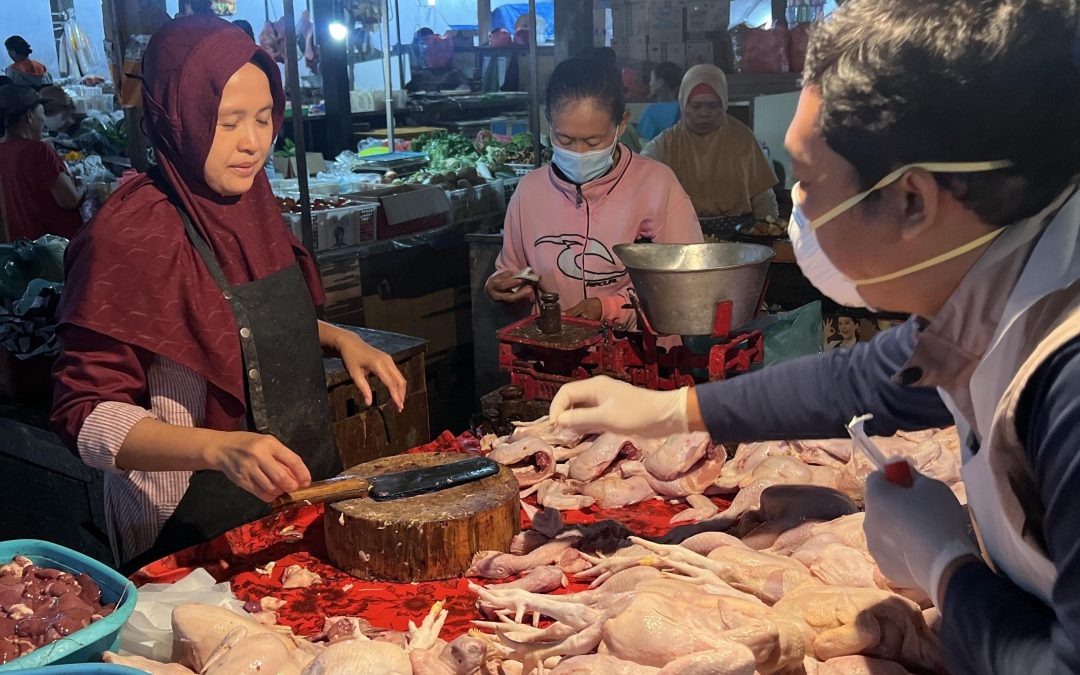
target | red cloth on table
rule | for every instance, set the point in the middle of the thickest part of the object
(235, 555)
(29, 170)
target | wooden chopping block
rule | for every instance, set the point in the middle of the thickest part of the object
(422, 538)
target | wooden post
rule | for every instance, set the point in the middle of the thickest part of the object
(123, 19)
(334, 65)
(573, 28)
(292, 72)
(779, 10)
(483, 19)
(534, 84)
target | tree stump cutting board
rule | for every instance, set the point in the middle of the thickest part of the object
(422, 538)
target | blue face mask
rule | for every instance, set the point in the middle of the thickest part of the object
(582, 167)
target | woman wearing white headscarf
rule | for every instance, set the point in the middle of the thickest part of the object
(715, 156)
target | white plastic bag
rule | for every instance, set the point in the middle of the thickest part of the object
(148, 633)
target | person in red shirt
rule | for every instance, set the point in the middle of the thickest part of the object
(39, 196)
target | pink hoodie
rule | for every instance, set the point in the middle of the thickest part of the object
(567, 234)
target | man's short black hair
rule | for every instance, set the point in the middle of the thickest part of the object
(954, 81)
(670, 74)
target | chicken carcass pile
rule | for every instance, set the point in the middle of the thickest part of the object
(216, 641)
(567, 472)
(781, 581)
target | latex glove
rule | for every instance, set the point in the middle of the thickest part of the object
(915, 533)
(602, 404)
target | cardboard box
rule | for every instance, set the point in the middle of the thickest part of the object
(410, 208)
(665, 21)
(635, 48)
(286, 166)
(344, 297)
(629, 20)
(708, 16)
(667, 51)
(699, 52)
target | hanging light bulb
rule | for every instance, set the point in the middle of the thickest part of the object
(338, 30)
(430, 3)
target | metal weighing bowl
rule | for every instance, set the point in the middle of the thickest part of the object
(679, 285)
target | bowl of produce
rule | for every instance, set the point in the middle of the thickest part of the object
(680, 285)
(58, 606)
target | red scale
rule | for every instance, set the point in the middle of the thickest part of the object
(540, 363)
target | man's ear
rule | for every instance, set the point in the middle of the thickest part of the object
(919, 198)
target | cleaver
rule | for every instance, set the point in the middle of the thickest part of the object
(388, 486)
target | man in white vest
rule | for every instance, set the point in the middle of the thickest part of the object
(937, 145)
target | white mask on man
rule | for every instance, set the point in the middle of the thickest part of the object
(823, 273)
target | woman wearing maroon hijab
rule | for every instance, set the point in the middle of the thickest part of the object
(192, 364)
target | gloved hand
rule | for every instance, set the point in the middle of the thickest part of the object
(915, 533)
(603, 404)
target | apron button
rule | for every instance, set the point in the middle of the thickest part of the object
(245, 332)
(253, 374)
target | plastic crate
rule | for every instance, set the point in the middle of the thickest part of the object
(339, 228)
(509, 187)
(86, 644)
(520, 169)
(476, 202)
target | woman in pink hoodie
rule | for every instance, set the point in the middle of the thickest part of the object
(565, 219)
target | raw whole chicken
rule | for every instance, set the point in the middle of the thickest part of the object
(546, 430)
(199, 629)
(146, 665)
(853, 665)
(592, 463)
(563, 496)
(601, 664)
(361, 656)
(531, 459)
(863, 621)
(466, 655)
(614, 492)
(657, 628)
(677, 455)
(693, 482)
(239, 654)
(730, 661)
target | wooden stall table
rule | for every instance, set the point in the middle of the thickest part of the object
(365, 433)
(296, 537)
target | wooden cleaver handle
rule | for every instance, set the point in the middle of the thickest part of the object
(335, 489)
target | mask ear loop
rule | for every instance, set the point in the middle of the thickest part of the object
(893, 176)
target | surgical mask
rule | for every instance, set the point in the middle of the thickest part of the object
(827, 278)
(54, 122)
(582, 167)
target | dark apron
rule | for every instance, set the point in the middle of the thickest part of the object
(286, 398)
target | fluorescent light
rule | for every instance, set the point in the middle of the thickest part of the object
(338, 30)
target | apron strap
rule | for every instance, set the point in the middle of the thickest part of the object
(256, 402)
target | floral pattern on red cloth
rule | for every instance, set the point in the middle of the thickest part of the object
(296, 537)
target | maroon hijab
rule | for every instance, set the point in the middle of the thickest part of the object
(132, 274)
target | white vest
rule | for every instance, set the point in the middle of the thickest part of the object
(1041, 315)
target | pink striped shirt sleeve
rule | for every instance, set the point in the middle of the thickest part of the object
(139, 502)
